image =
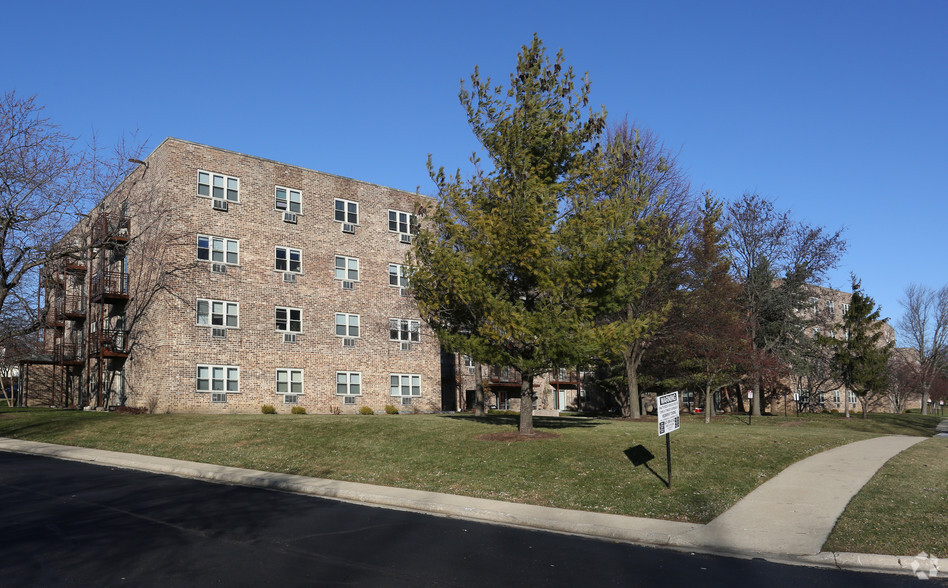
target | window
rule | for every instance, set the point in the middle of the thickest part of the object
(816, 332)
(396, 275)
(469, 364)
(347, 268)
(347, 325)
(218, 186)
(289, 200)
(288, 320)
(346, 211)
(289, 382)
(218, 378)
(218, 249)
(844, 307)
(217, 313)
(829, 307)
(288, 260)
(852, 398)
(405, 385)
(349, 383)
(835, 396)
(403, 329)
(401, 222)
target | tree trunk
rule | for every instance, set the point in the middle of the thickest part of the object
(632, 408)
(480, 408)
(708, 404)
(526, 405)
(924, 399)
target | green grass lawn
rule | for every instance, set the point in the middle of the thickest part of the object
(903, 510)
(584, 468)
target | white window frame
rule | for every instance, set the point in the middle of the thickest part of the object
(853, 399)
(345, 269)
(844, 307)
(409, 221)
(290, 386)
(224, 315)
(345, 211)
(288, 319)
(396, 272)
(221, 246)
(225, 187)
(399, 384)
(347, 325)
(348, 383)
(287, 200)
(287, 260)
(836, 397)
(225, 379)
(408, 330)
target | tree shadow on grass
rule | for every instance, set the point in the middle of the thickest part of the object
(540, 422)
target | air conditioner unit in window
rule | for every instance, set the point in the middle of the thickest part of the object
(290, 398)
(346, 285)
(406, 401)
(348, 342)
(219, 333)
(218, 397)
(218, 268)
(405, 346)
(348, 228)
(289, 277)
(219, 204)
(289, 217)
(403, 292)
(349, 400)
(404, 238)
(289, 337)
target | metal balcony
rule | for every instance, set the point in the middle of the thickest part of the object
(110, 287)
(109, 343)
(504, 376)
(110, 230)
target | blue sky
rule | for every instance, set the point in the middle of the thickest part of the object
(835, 110)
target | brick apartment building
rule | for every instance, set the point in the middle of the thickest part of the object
(212, 281)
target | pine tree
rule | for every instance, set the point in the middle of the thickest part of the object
(494, 267)
(860, 360)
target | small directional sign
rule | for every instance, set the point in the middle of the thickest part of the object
(669, 417)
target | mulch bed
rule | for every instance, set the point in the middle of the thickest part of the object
(508, 436)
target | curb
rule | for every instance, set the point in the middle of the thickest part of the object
(620, 528)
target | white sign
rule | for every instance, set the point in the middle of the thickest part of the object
(750, 394)
(669, 416)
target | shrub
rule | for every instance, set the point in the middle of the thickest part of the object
(366, 410)
(389, 409)
(268, 409)
(504, 412)
(130, 409)
(335, 410)
(835, 411)
(298, 410)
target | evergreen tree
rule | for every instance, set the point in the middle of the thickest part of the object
(860, 360)
(494, 267)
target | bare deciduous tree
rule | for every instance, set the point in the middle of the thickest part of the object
(47, 183)
(773, 259)
(924, 325)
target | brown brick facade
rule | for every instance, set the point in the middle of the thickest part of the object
(167, 278)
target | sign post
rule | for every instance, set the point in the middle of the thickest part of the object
(796, 400)
(750, 412)
(669, 419)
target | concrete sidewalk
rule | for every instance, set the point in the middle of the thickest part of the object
(785, 520)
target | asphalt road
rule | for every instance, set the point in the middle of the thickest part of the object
(71, 524)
